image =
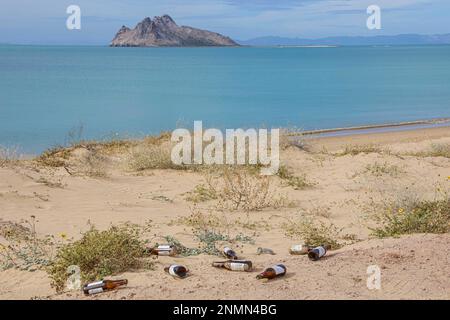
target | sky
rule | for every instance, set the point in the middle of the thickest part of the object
(44, 21)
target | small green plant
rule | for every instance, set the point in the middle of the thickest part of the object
(380, 169)
(320, 211)
(364, 148)
(201, 193)
(181, 249)
(413, 217)
(296, 182)
(22, 248)
(209, 238)
(219, 221)
(208, 242)
(99, 254)
(314, 233)
(203, 221)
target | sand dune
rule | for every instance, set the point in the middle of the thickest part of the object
(343, 192)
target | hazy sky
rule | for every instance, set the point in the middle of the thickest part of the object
(44, 21)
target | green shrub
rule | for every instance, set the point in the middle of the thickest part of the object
(99, 254)
(415, 217)
(314, 233)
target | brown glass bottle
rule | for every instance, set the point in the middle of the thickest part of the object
(229, 253)
(318, 252)
(102, 286)
(299, 249)
(176, 270)
(277, 270)
(164, 250)
(234, 265)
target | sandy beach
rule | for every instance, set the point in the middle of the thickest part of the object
(346, 180)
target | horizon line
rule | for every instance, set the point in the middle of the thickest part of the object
(263, 37)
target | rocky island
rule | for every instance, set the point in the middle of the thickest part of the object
(164, 32)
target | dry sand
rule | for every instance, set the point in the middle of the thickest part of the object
(413, 267)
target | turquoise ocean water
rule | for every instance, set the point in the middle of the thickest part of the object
(46, 92)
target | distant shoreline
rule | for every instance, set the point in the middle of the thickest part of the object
(377, 128)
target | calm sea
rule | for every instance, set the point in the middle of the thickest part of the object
(48, 92)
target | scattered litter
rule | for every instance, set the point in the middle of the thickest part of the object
(299, 249)
(229, 253)
(164, 250)
(234, 265)
(318, 252)
(177, 270)
(264, 251)
(102, 286)
(277, 270)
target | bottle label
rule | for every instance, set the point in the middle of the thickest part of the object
(299, 248)
(321, 251)
(278, 269)
(238, 266)
(94, 284)
(164, 247)
(94, 291)
(172, 269)
(164, 252)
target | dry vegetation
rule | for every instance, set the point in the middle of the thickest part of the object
(291, 180)
(8, 156)
(237, 188)
(407, 216)
(435, 150)
(364, 148)
(293, 137)
(220, 222)
(152, 153)
(380, 169)
(100, 253)
(22, 248)
(314, 232)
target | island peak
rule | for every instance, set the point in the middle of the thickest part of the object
(162, 31)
